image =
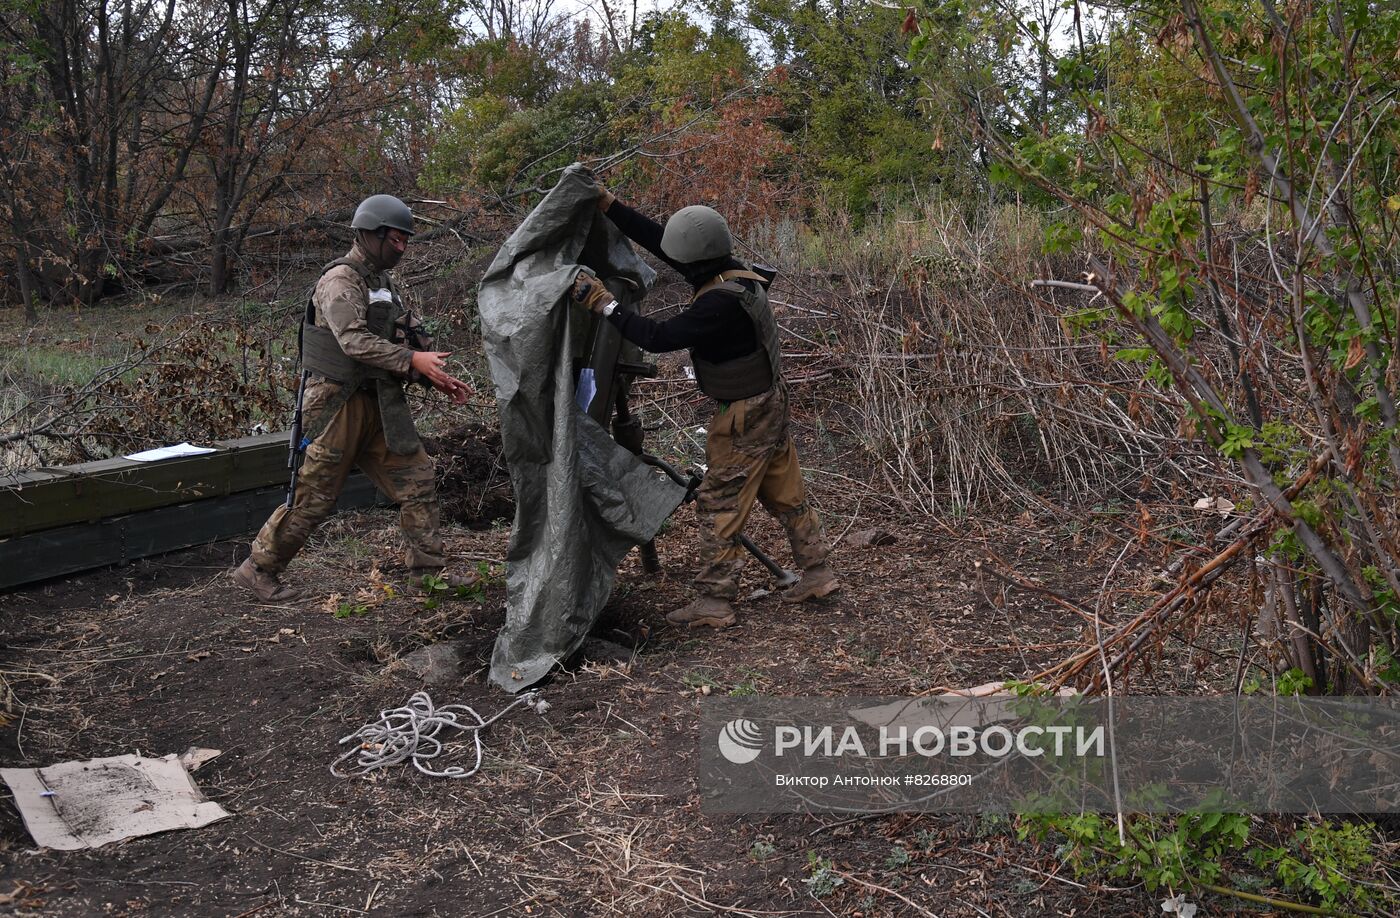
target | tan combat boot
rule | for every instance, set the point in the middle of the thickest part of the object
(815, 583)
(705, 612)
(263, 583)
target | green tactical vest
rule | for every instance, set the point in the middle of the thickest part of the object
(752, 374)
(321, 354)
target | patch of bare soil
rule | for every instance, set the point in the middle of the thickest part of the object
(473, 478)
(591, 809)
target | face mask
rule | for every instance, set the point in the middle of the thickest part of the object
(388, 255)
(380, 251)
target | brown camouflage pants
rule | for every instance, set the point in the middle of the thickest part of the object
(750, 455)
(353, 437)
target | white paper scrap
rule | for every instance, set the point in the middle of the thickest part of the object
(76, 805)
(1220, 505)
(170, 452)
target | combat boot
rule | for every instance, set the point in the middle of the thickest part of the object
(263, 583)
(815, 583)
(704, 612)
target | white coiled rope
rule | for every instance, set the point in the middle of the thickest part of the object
(410, 733)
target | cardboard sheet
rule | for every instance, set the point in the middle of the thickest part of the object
(76, 805)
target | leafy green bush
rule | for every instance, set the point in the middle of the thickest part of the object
(1327, 863)
(1324, 860)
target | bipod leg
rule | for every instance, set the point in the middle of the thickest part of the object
(627, 431)
(785, 577)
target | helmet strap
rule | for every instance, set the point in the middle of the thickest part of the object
(375, 252)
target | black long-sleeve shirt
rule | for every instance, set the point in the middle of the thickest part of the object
(715, 328)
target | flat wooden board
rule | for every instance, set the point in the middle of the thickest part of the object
(50, 498)
(117, 540)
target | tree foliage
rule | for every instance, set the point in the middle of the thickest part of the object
(854, 104)
(152, 140)
(1278, 341)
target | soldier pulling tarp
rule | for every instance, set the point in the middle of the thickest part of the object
(582, 500)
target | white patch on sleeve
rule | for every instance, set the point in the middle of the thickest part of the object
(382, 295)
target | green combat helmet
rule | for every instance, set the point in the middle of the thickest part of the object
(696, 233)
(381, 210)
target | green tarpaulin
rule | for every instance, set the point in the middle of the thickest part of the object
(581, 501)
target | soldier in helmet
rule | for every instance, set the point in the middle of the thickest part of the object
(733, 342)
(359, 348)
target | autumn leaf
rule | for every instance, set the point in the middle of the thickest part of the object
(1355, 354)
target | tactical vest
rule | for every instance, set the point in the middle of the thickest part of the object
(321, 354)
(752, 374)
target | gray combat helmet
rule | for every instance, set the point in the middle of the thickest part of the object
(696, 233)
(380, 210)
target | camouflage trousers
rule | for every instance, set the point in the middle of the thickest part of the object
(355, 436)
(750, 456)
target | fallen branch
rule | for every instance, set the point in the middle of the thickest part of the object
(1147, 624)
(885, 889)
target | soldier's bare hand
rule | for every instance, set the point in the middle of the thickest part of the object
(455, 389)
(432, 366)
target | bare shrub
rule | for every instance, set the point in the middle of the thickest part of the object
(195, 379)
(974, 388)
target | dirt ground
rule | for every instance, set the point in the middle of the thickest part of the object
(589, 809)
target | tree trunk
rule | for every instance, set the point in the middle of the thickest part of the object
(220, 259)
(89, 278)
(26, 285)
